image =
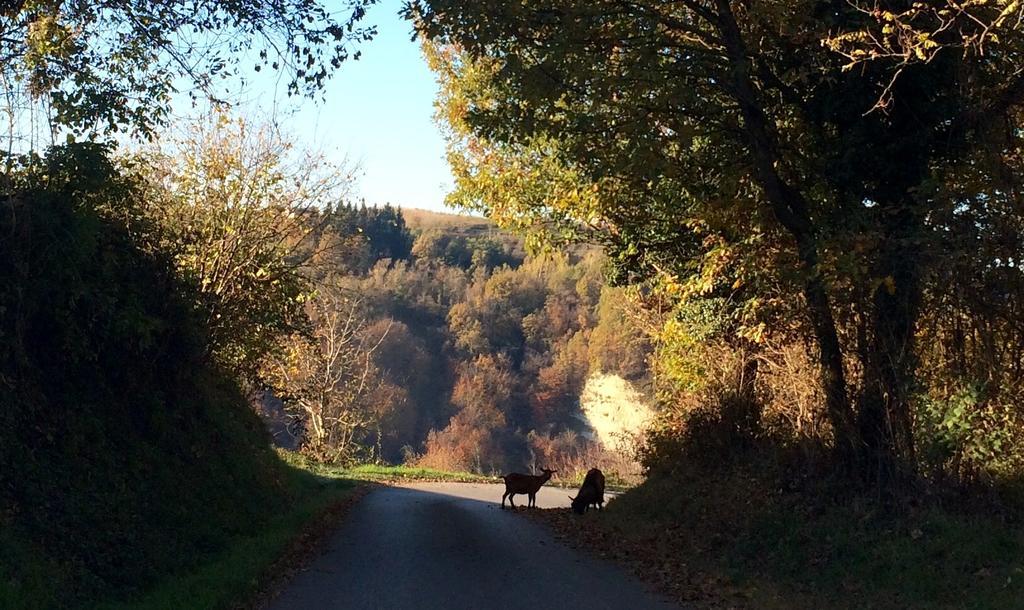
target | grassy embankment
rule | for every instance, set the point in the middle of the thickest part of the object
(734, 540)
(203, 566)
(249, 565)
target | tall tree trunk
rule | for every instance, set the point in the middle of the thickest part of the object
(747, 416)
(792, 212)
(747, 386)
(884, 417)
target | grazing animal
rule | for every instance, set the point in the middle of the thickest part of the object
(528, 484)
(591, 492)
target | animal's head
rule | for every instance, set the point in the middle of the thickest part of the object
(578, 506)
(548, 472)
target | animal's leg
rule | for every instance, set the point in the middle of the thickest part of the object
(505, 495)
(510, 502)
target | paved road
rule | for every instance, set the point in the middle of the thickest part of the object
(450, 546)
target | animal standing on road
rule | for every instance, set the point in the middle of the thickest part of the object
(516, 483)
(591, 492)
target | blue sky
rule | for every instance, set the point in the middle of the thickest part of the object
(378, 112)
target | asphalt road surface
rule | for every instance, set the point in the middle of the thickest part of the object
(450, 546)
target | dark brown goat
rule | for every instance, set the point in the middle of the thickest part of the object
(528, 484)
(591, 492)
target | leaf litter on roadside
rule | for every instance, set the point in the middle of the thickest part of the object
(646, 558)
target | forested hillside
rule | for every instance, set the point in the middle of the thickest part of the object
(469, 353)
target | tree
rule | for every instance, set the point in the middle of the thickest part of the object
(104, 66)
(415, 384)
(484, 390)
(701, 131)
(474, 437)
(381, 230)
(554, 397)
(617, 344)
(234, 208)
(490, 318)
(901, 35)
(327, 379)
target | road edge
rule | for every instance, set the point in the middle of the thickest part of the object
(304, 548)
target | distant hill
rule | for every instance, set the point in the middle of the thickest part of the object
(424, 220)
(464, 228)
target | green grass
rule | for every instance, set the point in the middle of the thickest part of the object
(797, 551)
(373, 472)
(927, 559)
(240, 570)
(382, 473)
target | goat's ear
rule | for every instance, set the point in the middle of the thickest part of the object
(571, 498)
